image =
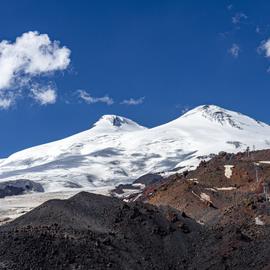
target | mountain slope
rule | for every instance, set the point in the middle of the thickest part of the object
(91, 231)
(117, 149)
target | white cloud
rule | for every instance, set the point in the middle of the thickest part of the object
(239, 17)
(31, 55)
(133, 101)
(7, 99)
(44, 95)
(265, 48)
(90, 100)
(5, 103)
(234, 50)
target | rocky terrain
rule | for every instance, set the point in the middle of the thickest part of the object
(229, 194)
(227, 180)
(215, 217)
(92, 231)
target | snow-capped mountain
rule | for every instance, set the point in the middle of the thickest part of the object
(117, 149)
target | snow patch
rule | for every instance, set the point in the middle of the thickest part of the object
(264, 162)
(205, 197)
(225, 188)
(259, 222)
(228, 171)
(193, 180)
(211, 189)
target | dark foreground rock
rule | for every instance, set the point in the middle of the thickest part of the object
(92, 231)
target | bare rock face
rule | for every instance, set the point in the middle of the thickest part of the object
(17, 187)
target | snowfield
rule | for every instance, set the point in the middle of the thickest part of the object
(117, 150)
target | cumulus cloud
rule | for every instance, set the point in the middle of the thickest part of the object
(43, 95)
(239, 17)
(133, 101)
(31, 55)
(86, 97)
(234, 50)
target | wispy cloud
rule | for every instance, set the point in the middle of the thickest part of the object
(229, 7)
(132, 101)
(31, 56)
(239, 17)
(234, 50)
(87, 98)
(5, 103)
(44, 95)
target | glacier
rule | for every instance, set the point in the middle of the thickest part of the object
(118, 150)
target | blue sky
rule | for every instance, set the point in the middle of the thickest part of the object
(164, 56)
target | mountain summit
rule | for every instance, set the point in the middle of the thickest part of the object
(223, 116)
(118, 150)
(117, 123)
